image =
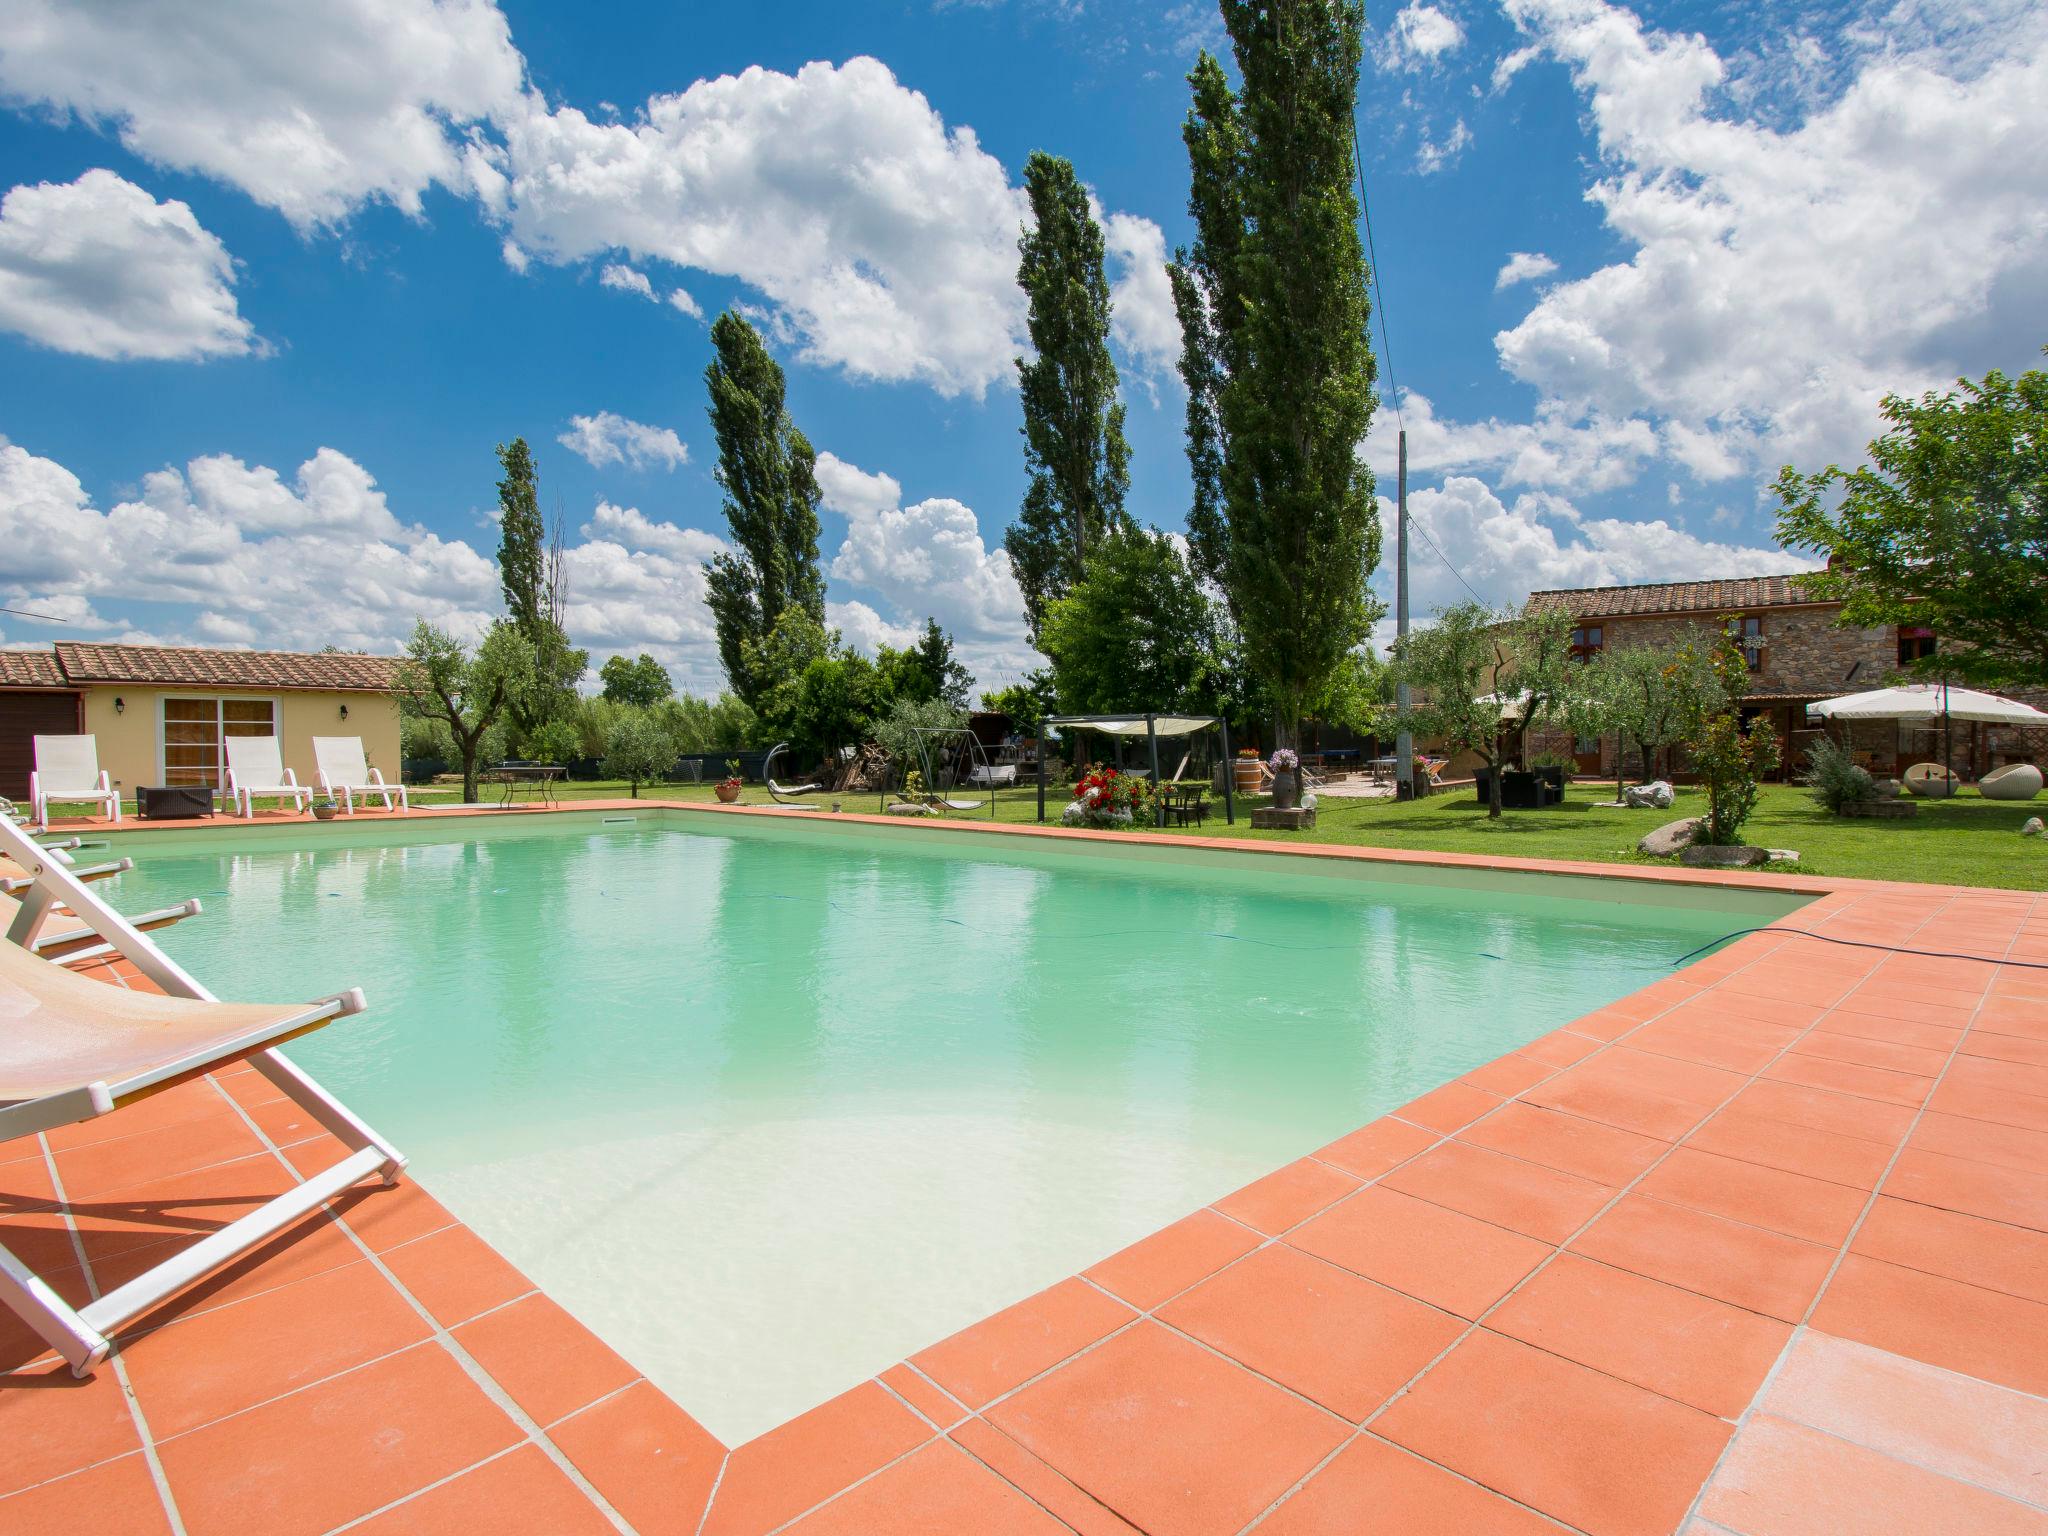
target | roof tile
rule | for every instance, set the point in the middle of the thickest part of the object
(29, 669)
(1730, 596)
(195, 666)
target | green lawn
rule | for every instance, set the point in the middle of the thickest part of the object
(1966, 841)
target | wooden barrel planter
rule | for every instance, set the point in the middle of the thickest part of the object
(1247, 769)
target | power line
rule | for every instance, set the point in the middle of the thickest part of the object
(46, 618)
(1387, 350)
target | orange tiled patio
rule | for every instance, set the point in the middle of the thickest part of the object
(1762, 1249)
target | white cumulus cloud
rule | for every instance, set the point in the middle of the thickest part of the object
(1141, 316)
(100, 268)
(310, 109)
(1523, 267)
(1420, 34)
(609, 438)
(627, 280)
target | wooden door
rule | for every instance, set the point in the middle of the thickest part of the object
(23, 717)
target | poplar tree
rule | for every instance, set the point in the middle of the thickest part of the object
(522, 538)
(1273, 309)
(768, 471)
(1073, 429)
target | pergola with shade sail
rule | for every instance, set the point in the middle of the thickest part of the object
(1928, 705)
(1151, 727)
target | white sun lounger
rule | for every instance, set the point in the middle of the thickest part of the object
(72, 1048)
(256, 767)
(68, 769)
(345, 772)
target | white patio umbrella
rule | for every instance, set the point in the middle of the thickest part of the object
(1927, 704)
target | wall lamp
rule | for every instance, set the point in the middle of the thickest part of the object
(120, 705)
(344, 711)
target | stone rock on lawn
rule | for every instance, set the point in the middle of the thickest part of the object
(1670, 838)
(1726, 856)
(1654, 796)
(2031, 827)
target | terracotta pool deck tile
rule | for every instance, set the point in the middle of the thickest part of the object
(1719, 1006)
(287, 1124)
(1825, 1109)
(1172, 1259)
(1022, 1470)
(1524, 1197)
(1288, 1196)
(924, 1396)
(518, 1494)
(1324, 1332)
(1508, 1075)
(115, 1498)
(1571, 1144)
(1684, 1346)
(1608, 1024)
(157, 1113)
(1949, 1423)
(1448, 1108)
(1746, 1266)
(307, 1462)
(1452, 1261)
(1374, 1488)
(1977, 1100)
(384, 1218)
(1625, 1106)
(775, 1477)
(1976, 1189)
(52, 1423)
(1987, 1334)
(1560, 1048)
(1783, 1479)
(1373, 1149)
(1919, 1060)
(1969, 1248)
(1600, 1454)
(2007, 1146)
(935, 1491)
(1905, 1088)
(547, 1362)
(1752, 1138)
(986, 1359)
(455, 1275)
(650, 1461)
(167, 1152)
(1983, 1045)
(1690, 1082)
(1792, 1203)
(201, 1368)
(1868, 1026)
(1171, 1437)
(180, 1208)
(1733, 1044)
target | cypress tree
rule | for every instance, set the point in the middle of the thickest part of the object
(1273, 309)
(1073, 427)
(768, 471)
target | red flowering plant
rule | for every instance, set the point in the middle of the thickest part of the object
(1104, 797)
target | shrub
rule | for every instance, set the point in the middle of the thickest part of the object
(1835, 779)
(1730, 761)
(555, 742)
(1104, 797)
(640, 750)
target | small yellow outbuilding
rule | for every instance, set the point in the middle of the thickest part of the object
(160, 714)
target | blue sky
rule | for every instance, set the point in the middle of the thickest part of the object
(272, 285)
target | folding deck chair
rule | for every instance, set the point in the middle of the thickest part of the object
(72, 1049)
(68, 769)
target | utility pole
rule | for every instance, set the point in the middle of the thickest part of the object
(1404, 744)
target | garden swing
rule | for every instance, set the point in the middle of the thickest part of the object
(786, 794)
(962, 747)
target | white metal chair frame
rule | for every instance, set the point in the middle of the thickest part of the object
(96, 787)
(245, 780)
(354, 776)
(84, 1335)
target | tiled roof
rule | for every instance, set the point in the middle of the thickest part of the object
(29, 669)
(197, 667)
(1742, 592)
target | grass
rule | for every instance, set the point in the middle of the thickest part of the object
(1965, 841)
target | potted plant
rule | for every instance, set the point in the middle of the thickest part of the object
(325, 810)
(1286, 766)
(728, 788)
(1104, 797)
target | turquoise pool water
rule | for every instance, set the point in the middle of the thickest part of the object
(770, 1105)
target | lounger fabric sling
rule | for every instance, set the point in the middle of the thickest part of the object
(73, 1048)
(345, 772)
(68, 769)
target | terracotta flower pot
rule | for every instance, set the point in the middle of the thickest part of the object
(325, 812)
(727, 792)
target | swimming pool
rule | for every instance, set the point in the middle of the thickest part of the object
(771, 1103)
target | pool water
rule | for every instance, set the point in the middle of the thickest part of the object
(770, 1105)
